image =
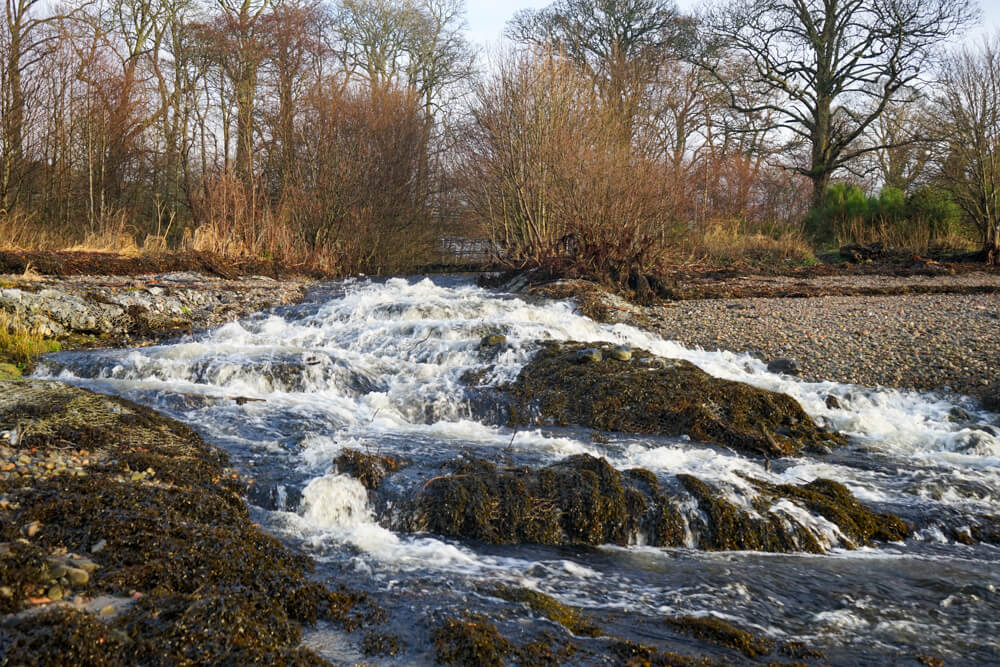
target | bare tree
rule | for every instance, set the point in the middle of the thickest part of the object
(970, 117)
(621, 44)
(834, 64)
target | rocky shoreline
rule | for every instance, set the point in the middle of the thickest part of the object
(133, 310)
(125, 539)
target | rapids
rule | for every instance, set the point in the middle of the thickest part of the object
(377, 366)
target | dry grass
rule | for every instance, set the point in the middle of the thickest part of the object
(19, 343)
(917, 236)
(728, 244)
(20, 230)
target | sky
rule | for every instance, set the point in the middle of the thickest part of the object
(488, 17)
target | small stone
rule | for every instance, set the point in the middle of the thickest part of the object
(107, 610)
(621, 353)
(88, 566)
(832, 402)
(591, 355)
(77, 577)
(32, 529)
(58, 569)
(98, 546)
(54, 593)
(6, 592)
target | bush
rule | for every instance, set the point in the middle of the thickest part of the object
(550, 177)
(927, 219)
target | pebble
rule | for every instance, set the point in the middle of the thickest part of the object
(621, 353)
(98, 546)
(77, 577)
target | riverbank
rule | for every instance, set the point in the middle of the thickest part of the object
(923, 332)
(134, 310)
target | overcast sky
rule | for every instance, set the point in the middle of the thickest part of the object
(487, 17)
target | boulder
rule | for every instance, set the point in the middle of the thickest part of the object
(784, 367)
(583, 500)
(668, 397)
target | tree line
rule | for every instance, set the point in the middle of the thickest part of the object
(354, 134)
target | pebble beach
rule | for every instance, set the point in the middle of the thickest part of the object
(948, 342)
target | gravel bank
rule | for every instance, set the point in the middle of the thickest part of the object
(131, 310)
(914, 341)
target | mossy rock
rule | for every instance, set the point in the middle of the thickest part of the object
(669, 397)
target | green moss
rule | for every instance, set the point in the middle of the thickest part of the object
(717, 631)
(369, 469)
(550, 608)
(9, 372)
(661, 396)
(470, 641)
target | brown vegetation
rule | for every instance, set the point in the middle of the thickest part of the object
(603, 144)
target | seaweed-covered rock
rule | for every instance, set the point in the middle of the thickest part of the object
(550, 608)
(470, 641)
(159, 517)
(583, 500)
(834, 502)
(671, 397)
(580, 500)
(369, 469)
(717, 631)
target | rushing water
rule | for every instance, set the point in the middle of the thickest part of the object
(377, 366)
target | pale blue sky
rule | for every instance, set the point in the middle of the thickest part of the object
(487, 18)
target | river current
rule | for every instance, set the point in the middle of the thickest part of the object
(378, 365)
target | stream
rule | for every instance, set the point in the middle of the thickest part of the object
(377, 366)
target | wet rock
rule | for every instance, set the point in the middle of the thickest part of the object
(667, 397)
(492, 340)
(832, 402)
(369, 469)
(590, 355)
(784, 366)
(583, 500)
(958, 415)
(621, 353)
